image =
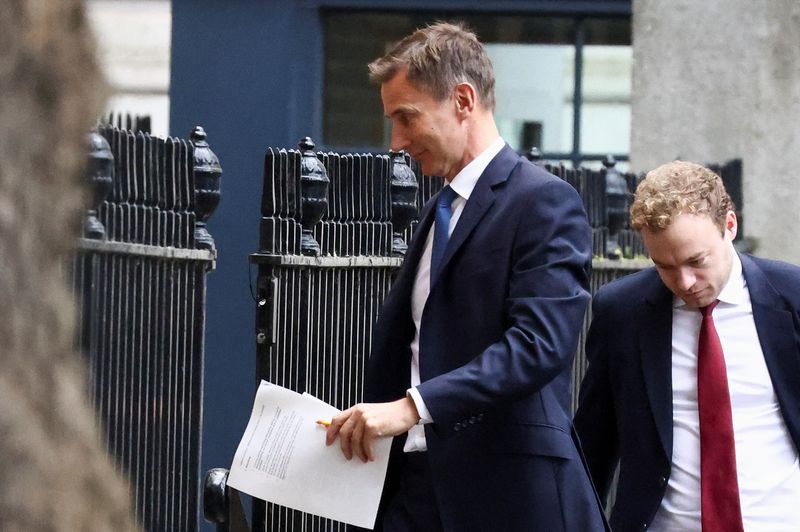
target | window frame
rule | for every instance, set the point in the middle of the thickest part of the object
(581, 13)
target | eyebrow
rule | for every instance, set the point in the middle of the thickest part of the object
(403, 109)
(693, 258)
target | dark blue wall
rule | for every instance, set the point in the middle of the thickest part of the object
(241, 70)
(250, 72)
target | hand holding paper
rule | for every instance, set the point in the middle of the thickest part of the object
(359, 426)
(282, 458)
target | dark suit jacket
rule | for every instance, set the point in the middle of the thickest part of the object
(498, 335)
(625, 411)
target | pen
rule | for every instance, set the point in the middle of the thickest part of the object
(323, 423)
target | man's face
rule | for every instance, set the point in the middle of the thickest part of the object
(428, 129)
(692, 257)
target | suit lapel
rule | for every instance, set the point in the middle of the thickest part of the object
(396, 307)
(776, 334)
(655, 347)
(480, 200)
(408, 272)
(417, 247)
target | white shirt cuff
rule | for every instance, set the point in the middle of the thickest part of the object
(422, 410)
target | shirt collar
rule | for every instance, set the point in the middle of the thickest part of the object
(464, 182)
(734, 290)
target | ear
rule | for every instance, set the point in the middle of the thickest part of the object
(466, 98)
(731, 224)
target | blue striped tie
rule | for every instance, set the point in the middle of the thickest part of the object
(441, 228)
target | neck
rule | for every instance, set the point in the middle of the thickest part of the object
(482, 132)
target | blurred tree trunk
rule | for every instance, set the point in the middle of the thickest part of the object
(54, 472)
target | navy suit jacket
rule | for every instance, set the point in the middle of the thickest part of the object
(498, 335)
(625, 411)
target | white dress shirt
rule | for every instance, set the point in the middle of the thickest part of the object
(767, 464)
(463, 184)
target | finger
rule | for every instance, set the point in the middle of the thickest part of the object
(335, 427)
(330, 434)
(371, 432)
(358, 441)
(345, 439)
(369, 448)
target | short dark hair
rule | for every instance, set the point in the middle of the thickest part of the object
(438, 58)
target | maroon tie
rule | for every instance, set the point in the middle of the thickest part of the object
(718, 484)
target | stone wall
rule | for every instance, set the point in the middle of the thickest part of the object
(717, 80)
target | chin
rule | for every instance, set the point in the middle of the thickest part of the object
(699, 302)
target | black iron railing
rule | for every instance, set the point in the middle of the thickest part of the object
(140, 278)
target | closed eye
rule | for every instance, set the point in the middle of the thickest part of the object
(697, 262)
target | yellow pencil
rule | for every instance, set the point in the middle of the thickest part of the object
(323, 423)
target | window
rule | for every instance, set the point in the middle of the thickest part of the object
(539, 61)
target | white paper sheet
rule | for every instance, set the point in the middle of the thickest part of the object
(282, 458)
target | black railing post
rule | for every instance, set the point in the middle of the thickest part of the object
(207, 173)
(616, 207)
(534, 155)
(403, 200)
(314, 192)
(100, 175)
(221, 503)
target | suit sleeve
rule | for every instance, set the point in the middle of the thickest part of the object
(545, 304)
(595, 419)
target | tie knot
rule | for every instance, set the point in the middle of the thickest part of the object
(706, 311)
(447, 196)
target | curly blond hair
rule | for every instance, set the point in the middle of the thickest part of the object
(675, 188)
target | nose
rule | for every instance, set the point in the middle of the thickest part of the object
(685, 279)
(399, 140)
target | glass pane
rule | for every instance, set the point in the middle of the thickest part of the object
(615, 31)
(524, 29)
(606, 109)
(353, 115)
(534, 91)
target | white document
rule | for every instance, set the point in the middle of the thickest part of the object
(282, 458)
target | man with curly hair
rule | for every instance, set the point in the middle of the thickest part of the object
(692, 386)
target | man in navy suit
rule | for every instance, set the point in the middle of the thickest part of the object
(693, 384)
(472, 351)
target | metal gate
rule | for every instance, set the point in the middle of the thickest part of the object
(140, 279)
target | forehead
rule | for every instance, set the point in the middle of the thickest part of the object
(400, 94)
(687, 237)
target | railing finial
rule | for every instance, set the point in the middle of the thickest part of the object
(207, 173)
(404, 200)
(616, 206)
(534, 155)
(100, 175)
(314, 195)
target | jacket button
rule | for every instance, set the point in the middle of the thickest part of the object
(457, 427)
(662, 481)
(644, 526)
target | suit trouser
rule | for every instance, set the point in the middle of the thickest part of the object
(414, 506)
